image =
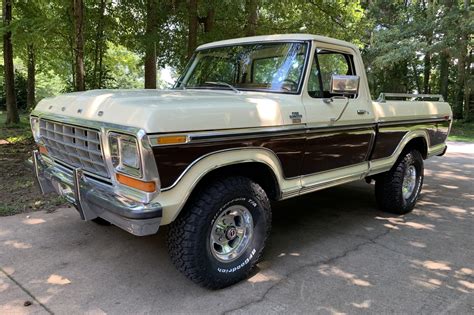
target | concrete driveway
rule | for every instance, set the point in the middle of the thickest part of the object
(329, 252)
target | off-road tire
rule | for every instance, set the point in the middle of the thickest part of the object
(388, 186)
(188, 236)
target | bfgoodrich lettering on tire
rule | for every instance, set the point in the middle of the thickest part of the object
(398, 190)
(219, 237)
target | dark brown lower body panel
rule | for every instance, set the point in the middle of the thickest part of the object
(173, 160)
(327, 151)
(389, 136)
(302, 152)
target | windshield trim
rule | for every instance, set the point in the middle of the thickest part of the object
(300, 83)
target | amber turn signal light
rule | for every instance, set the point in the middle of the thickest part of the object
(171, 140)
(135, 183)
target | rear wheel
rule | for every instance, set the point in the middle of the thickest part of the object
(398, 190)
(219, 238)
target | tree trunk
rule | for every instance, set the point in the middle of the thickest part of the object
(468, 90)
(251, 8)
(12, 110)
(443, 73)
(208, 20)
(427, 73)
(31, 81)
(192, 26)
(98, 49)
(150, 49)
(417, 76)
(462, 71)
(78, 18)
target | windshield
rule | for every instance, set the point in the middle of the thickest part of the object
(275, 67)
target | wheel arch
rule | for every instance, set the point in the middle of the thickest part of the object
(415, 139)
(259, 164)
(418, 143)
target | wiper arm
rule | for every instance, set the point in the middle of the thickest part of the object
(224, 84)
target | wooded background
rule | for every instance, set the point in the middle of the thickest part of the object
(57, 46)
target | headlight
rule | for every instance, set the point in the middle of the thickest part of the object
(35, 128)
(125, 154)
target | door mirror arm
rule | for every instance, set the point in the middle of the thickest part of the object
(333, 120)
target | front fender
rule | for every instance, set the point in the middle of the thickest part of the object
(175, 197)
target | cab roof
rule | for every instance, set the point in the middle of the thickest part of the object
(278, 37)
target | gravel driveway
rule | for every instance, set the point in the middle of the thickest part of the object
(329, 252)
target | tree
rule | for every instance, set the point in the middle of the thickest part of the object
(192, 26)
(13, 116)
(78, 18)
(251, 8)
(150, 49)
(31, 89)
(99, 47)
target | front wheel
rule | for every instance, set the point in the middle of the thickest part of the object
(398, 190)
(219, 238)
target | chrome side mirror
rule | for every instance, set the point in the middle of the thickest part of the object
(345, 84)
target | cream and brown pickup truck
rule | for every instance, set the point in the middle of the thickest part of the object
(251, 120)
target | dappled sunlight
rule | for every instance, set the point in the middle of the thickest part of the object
(264, 276)
(467, 284)
(395, 222)
(390, 226)
(450, 186)
(436, 265)
(429, 284)
(330, 310)
(14, 307)
(3, 285)
(59, 280)
(351, 278)
(464, 272)
(417, 244)
(33, 221)
(364, 304)
(17, 244)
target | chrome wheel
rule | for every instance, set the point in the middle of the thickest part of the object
(409, 182)
(231, 233)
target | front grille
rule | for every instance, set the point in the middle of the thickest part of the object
(75, 146)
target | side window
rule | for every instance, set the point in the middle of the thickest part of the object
(326, 64)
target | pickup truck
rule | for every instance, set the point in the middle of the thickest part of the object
(251, 120)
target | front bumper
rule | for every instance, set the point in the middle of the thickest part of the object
(93, 198)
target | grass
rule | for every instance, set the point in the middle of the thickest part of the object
(16, 133)
(18, 193)
(462, 131)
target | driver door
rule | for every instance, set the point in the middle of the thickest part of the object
(340, 127)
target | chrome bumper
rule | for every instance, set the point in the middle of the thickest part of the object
(94, 199)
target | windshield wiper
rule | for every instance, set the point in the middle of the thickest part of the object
(223, 84)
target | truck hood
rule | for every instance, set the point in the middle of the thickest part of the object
(171, 110)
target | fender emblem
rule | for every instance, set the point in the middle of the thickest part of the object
(296, 117)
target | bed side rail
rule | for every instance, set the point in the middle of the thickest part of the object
(383, 97)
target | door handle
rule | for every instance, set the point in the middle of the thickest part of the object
(362, 112)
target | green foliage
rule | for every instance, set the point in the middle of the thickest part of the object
(20, 90)
(462, 131)
(405, 44)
